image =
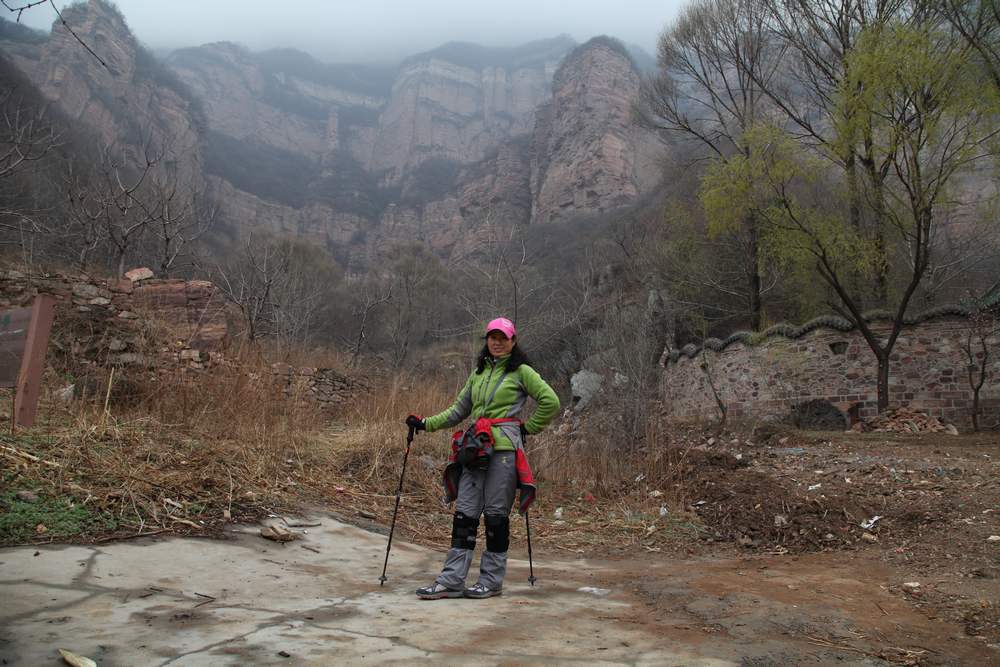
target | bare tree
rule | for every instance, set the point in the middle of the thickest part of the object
(978, 23)
(714, 61)
(115, 204)
(373, 296)
(417, 280)
(250, 281)
(183, 217)
(272, 284)
(27, 136)
(983, 326)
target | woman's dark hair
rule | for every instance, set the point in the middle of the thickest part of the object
(517, 357)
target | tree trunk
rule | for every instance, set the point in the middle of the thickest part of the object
(883, 380)
(881, 256)
(975, 410)
(753, 264)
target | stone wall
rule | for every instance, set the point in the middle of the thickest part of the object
(928, 373)
(144, 323)
(326, 385)
(137, 320)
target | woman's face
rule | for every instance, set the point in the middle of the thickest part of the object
(499, 344)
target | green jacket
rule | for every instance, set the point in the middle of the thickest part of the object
(512, 390)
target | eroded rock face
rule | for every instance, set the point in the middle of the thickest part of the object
(587, 155)
(129, 102)
(256, 97)
(443, 110)
(449, 148)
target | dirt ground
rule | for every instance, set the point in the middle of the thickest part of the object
(783, 510)
(742, 548)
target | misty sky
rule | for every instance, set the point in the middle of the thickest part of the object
(381, 30)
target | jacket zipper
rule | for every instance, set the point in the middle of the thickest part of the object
(486, 388)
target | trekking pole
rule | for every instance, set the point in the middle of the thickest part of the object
(531, 566)
(392, 528)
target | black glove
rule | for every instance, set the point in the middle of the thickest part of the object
(416, 422)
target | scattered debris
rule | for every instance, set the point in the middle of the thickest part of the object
(600, 592)
(813, 487)
(993, 538)
(904, 420)
(278, 534)
(558, 514)
(911, 584)
(868, 524)
(75, 660)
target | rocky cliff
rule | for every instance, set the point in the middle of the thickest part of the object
(133, 100)
(587, 155)
(444, 148)
(458, 102)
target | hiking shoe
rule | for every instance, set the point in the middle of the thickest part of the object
(436, 591)
(480, 591)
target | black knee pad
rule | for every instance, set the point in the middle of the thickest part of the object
(463, 531)
(497, 533)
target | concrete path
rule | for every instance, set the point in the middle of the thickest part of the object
(248, 601)
(142, 603)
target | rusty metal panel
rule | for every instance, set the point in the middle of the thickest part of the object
(13, 338)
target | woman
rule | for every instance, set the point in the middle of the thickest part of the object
(487, 463)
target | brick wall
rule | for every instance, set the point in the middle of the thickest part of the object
(928, 373)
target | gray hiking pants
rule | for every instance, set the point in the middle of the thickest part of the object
(489, 492)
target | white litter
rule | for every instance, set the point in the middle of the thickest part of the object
(870, 523)
(558, 513)
(600, 592)
(813, 487)
(993, 538)
(664, 512)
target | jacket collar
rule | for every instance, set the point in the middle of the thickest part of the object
(498, 362)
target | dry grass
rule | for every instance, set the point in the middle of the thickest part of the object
(183, 451)
(176, 449)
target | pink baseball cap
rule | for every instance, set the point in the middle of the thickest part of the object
(503, 325)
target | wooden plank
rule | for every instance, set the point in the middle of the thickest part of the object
(29, 382)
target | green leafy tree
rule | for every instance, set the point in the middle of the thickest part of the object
(714, 60)
(928, 118)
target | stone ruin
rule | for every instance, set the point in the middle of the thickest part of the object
(143, 323)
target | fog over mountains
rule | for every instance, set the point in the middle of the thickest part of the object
(439, 149)
(378, 32)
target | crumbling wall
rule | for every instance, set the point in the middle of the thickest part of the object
(143, 323)
(757, 378)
